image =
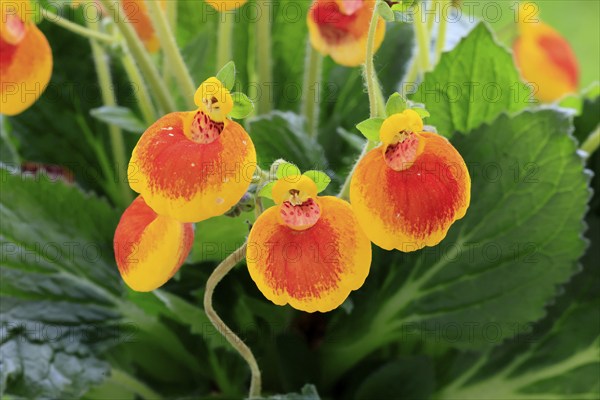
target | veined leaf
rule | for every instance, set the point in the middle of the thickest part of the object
(472, 84)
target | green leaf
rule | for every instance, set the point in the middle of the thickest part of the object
(395, 104)
(281, 135)
(423, 113)
(219, 236)
(501, 264)
(370, 128)
(242, 106)
(122, 117)
(406, 378)
(558, 360)
(227, 75)
(286, 169)
(59, 287)
(266, 190)
(320, 178)
(385, 11)
(472, 84)
(192, 316)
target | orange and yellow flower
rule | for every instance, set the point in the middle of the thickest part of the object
(150, 248)
(194, 165)
(225, 5)
(339, 28)
(308, 251)
(407, 192)
(137, 14)
(544, 57)
(25, 58)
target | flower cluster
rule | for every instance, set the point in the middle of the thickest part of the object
(187, 167)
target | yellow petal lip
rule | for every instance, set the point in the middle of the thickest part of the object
(407, 121)
(412, 208)
(303, 184)
(150, 248)
(191, 181)
(214, 99)
(25, 70)
(312, 270)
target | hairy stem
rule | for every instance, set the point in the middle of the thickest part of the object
(76, 28)
(141, 57)
(139, 88)
(442, 28)
(422, 35)
(171, 51)
(375, 96)
(312, 79)
(592, 142)
(264, 58)
(108, 98)
(224, 39)
(244, 351)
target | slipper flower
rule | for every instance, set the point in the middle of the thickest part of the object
(150, 248)
(544, 57)
(308, 251)
(25, 58)
(407, 192)
(194, 165)
(225, 5)
(339, 28)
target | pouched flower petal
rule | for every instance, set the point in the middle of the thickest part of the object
(137, 14)
(225, 5)
(339, 28)
(313, 268)
(407, 192)
(149, 248)
(545, 58)
(25, 59)
(192, 171)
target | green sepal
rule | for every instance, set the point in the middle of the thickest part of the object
(287, 169)
(266, 190)
(321, 179)
(227, 75)
(385, 11)
(370, 128)
(423, 113)
(242, 106)
(395, 104)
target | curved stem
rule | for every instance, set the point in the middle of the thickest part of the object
(108, 98)
(76, 28)
(376, 100)
(224, 39)
(264, 58)
(422, 35)
(139, 90)
(141, 56)
(171, 50)
(592, 142)
(441, 37)
(312, 79)
(244, 351)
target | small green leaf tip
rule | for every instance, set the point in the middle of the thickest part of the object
(266, 190)
(395, 104)
(287, 169)
(242, 106)
(385, 11)
(370, 128)
(227, 75)
(320, 178)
